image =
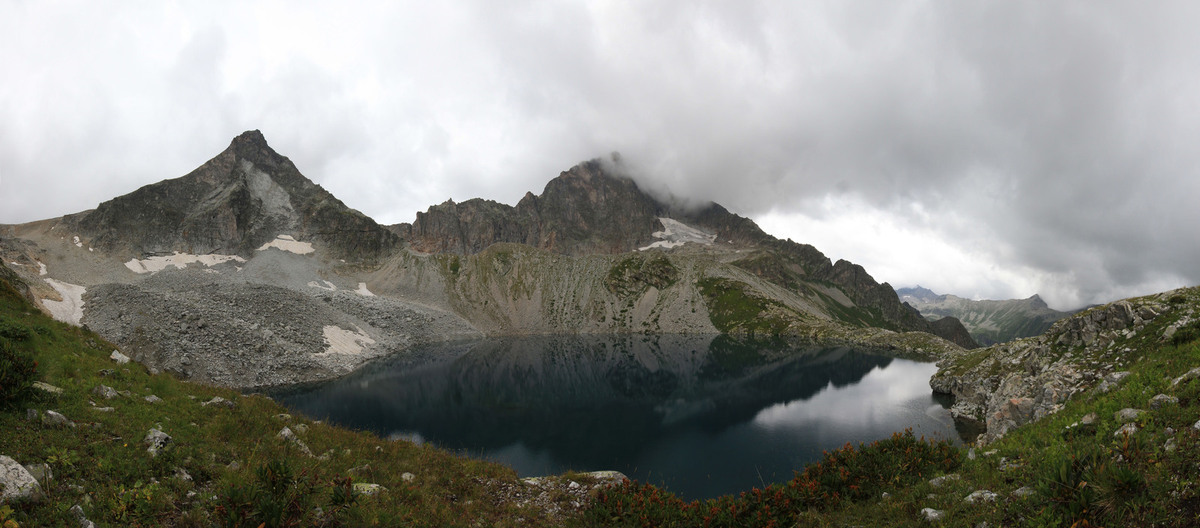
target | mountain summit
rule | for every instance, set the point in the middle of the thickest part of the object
(236, 202)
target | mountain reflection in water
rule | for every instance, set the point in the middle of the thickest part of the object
(703, 416)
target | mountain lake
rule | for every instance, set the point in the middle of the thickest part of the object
(702, 416)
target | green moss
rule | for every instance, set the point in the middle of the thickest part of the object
(734, 309)
(635, 274)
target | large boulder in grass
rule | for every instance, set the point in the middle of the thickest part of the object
(16, 483)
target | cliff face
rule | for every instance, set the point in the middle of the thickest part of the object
(233, 204)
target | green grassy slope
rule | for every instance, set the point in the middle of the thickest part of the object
(240, 473)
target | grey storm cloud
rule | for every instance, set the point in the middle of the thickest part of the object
(1055, 139)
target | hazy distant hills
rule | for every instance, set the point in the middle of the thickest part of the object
(988, 321)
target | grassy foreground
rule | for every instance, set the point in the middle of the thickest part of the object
(228, 466)
(224, 466)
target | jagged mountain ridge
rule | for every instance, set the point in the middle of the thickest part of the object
(988, 321)
(244, 273)
(595, 208)
(232, 204)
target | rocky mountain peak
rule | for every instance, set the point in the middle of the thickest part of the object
(234, 203)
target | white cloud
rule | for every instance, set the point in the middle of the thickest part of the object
(1044, 147)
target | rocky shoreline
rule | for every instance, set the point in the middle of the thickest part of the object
(1001, 387)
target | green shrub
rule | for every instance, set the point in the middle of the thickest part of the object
(847, 474)
(281, 497)
(18, 371)
(1186, 334)
(14, 331)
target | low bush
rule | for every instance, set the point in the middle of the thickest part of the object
(18, 371)
(845, 475)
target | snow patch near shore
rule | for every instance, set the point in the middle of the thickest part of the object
(676, 233)
(341, 341)
(179, 260)
(70, 308)
(287, 243)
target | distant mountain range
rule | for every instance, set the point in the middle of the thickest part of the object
(245, 273)
(987, 321)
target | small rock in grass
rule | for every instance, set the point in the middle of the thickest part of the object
(104, 391)
(944, 479)
(283, 417)
(120, 358)
(152, 399)
(1128, 415)
(41, 473)
(1186, 377)
(301, 428)
(1162, 400)
(365, 488)
(931, 514)
(157, 441)
(55, 419)
(1023, 491)
(287, 435)
(218, 401)
(1127, 429)
(47, 388)
(407, 477)
(80, 517)
(980, 496)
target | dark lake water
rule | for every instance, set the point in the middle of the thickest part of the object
(701, 416)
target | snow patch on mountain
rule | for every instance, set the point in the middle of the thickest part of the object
(324, 285)
(340, 341)
(676, 233)
(179, 260)
(287, 243)
(362, 290)
(70, 308)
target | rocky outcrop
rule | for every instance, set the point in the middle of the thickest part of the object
(233, 204)
(952, 330)
(1005, 386)
(588, 209)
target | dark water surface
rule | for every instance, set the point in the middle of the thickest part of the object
(702, 416)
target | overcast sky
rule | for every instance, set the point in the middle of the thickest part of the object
(986, 149)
